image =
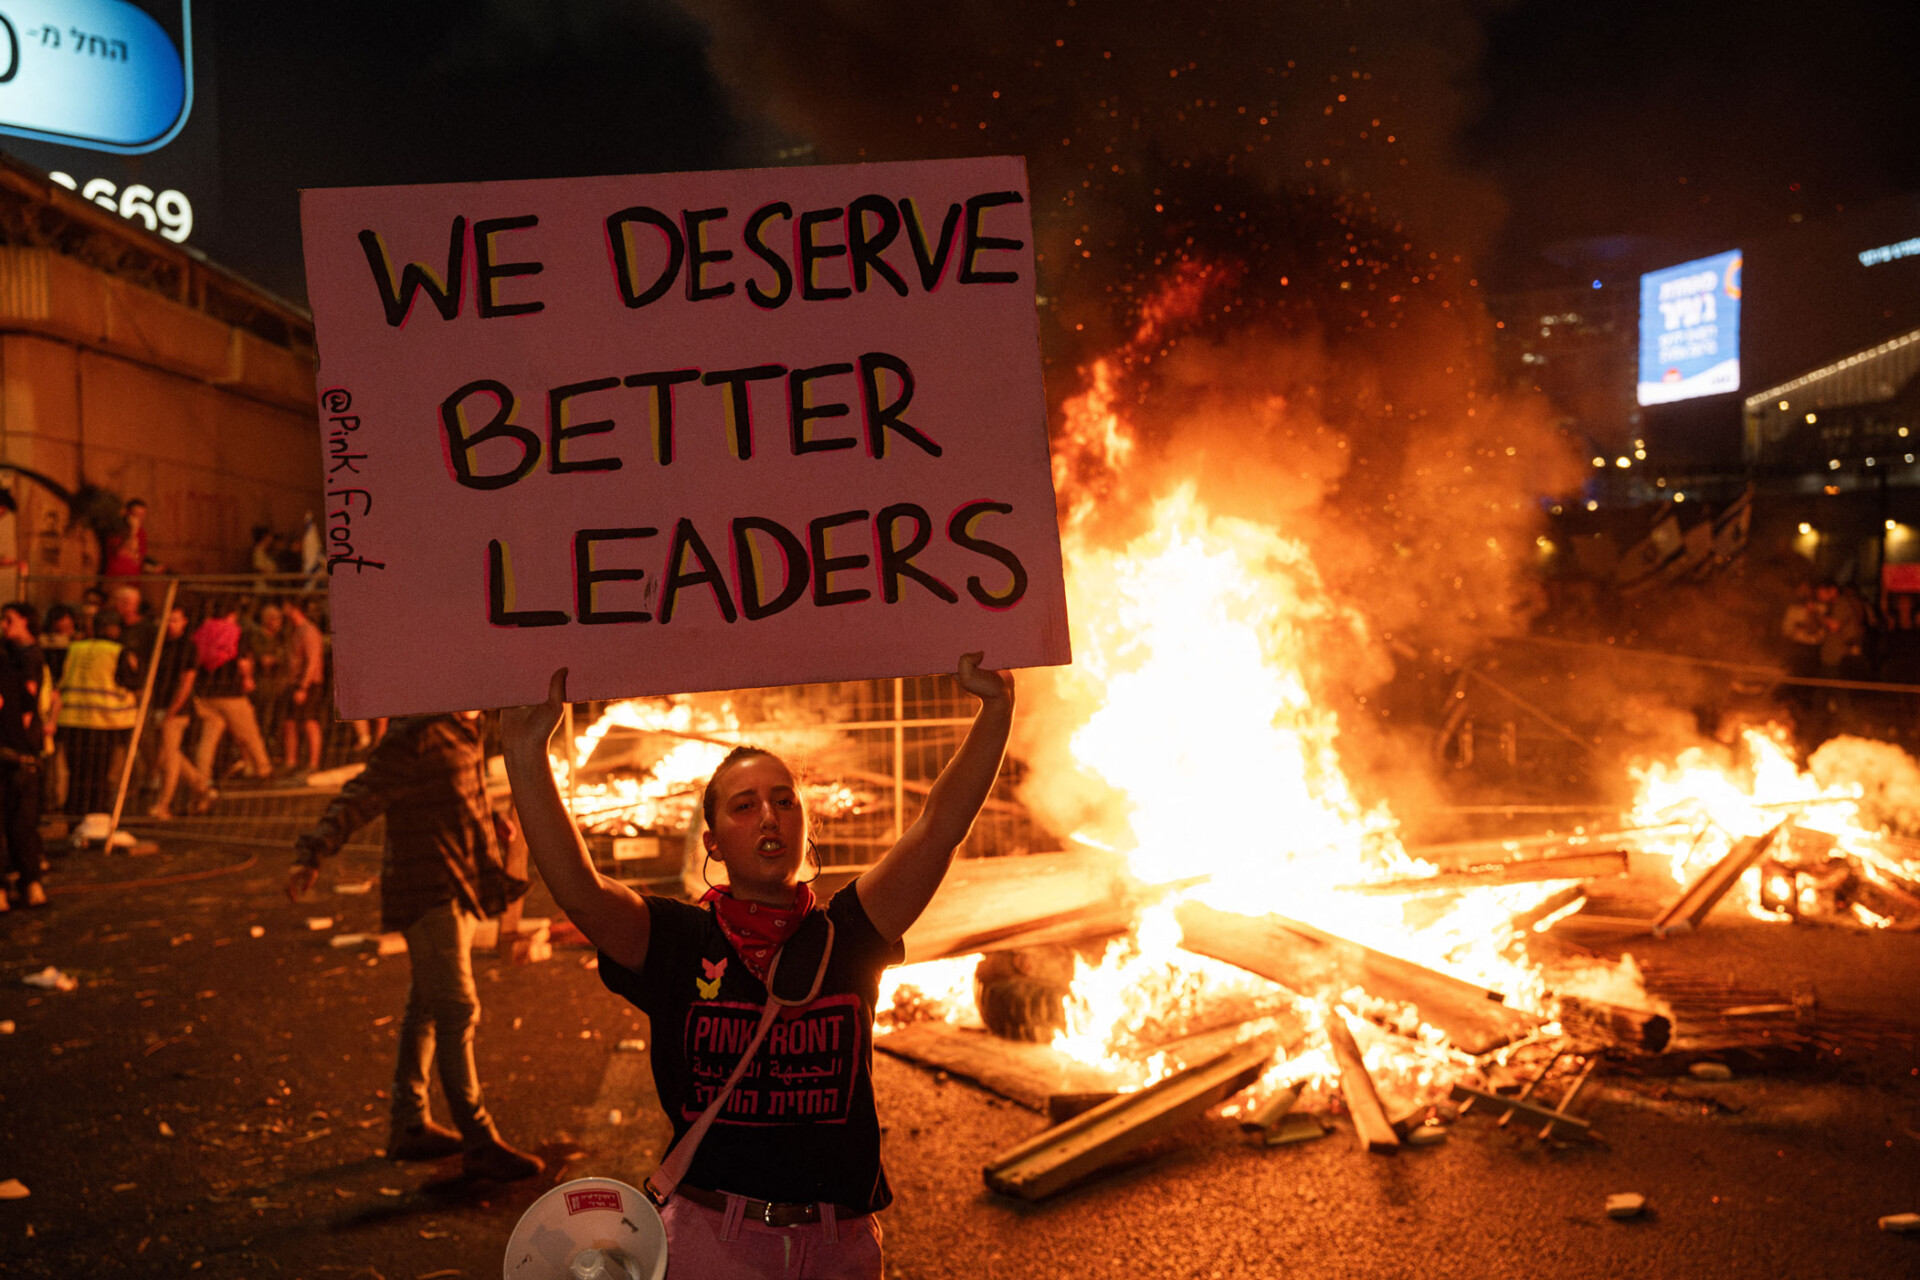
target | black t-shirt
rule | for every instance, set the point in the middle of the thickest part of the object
(177, 657)
(800, 1127)
(22, 674)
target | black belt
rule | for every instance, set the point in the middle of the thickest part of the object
(771, 1212)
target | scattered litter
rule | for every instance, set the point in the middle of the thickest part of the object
(440, 1275)
(393, 944)
(434, 1235)
(1295, 1126)
(343, 1193)
(317, 923)
(50, 979)
(178, 939)
(625, 1046)
(257, 931)
(1710, 1071)
(614, 1116)
(6, 1027)
(125, 1186)
(353, 888)
(166, 1130)
(1627, 1204)
(14, 1189)
(516, 1024)
(1904, 1224)
(350, 939)
(383, 1020)
(586, 1035)
(1426, 1135)
(391, 1191)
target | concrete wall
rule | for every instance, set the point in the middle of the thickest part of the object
(105, 382)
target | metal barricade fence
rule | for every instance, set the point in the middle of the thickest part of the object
(244, 756)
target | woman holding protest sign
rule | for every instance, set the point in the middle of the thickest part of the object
(761, 1000)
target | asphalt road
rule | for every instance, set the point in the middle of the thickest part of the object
(205, 1103)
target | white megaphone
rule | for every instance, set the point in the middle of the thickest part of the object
(589, 1229)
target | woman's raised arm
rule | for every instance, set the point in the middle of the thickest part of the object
(613, 917)
(901, 885)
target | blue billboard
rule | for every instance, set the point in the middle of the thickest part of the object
(1690, 329)
(99, 74)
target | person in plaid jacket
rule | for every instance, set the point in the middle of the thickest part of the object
(441, 872)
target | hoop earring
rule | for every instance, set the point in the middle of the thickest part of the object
(814, 855)
(705, 858)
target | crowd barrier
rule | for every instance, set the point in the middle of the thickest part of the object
(255, 766)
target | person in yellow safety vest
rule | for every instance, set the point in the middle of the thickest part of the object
(98, 708)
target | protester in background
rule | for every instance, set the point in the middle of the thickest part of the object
(23, 675)
(1844, 616)
(442, 870)
(1804, 628)
(173, 682)
(138, 633)
(313, 553)
(306, 701)
(261, 559)
(267, 640)
(92, 601)
(221, 688)
(56, 634)
(125, 553)
(97, 713)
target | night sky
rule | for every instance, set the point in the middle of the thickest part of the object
(1520, 125)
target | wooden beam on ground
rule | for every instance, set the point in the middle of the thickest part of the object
(1638, 1030)
(1313, 962)
(1564, 866)
(1068, 1153)
(1025, 900)
(1028, 1074)
(1686, 912)
(1370, 1123)
(1455, 855)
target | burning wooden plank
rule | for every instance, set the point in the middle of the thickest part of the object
(1051, 1161)
(1028, 1074)
(1313, 962)
(1640, 1030)
(1686, 912)
(1370, 1123)
(996, 903)
(1566, 866)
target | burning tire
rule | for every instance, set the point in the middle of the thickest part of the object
(1022, 994)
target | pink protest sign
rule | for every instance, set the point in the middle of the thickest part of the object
(681, 431)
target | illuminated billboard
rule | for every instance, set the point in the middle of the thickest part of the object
(1690, 329)
(100, 74)
(114, 100)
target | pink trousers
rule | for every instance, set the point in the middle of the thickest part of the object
(706, 1244)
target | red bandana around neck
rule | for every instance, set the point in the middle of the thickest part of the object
(755, 929)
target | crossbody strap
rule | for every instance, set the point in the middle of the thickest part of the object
(659, 1185)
